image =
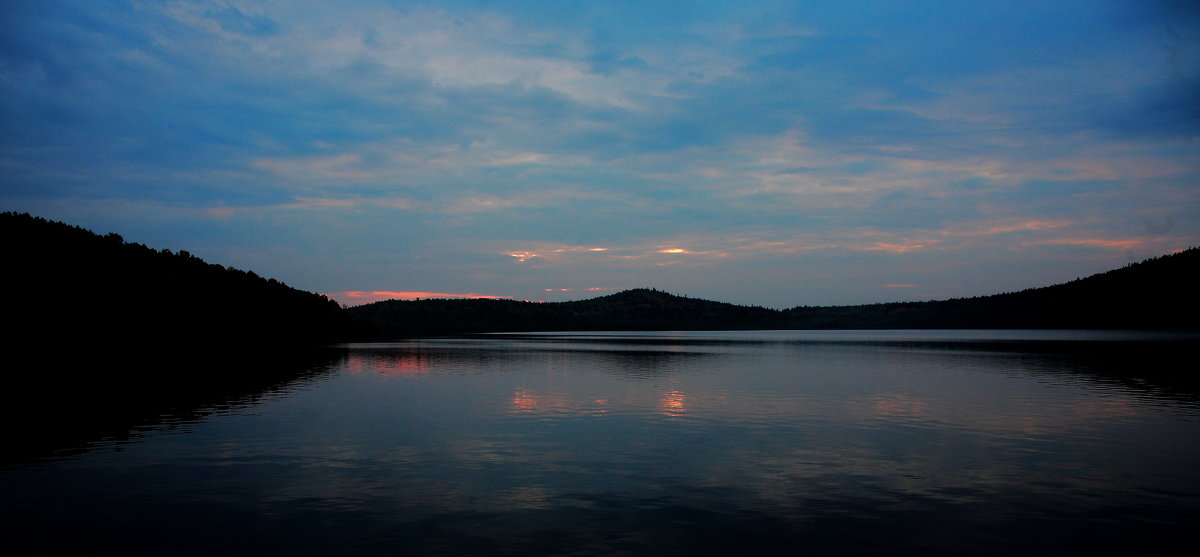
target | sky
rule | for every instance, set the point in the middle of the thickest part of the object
(762, 153)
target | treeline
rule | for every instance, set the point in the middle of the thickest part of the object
(68, 286)
(632, 310)
(104, 335)
(1158, 293)
(72, 288)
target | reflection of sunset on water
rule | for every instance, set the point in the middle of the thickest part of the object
(900, 406)
(525, 401)
(1078, 414)
(670, 403)
(405, 364)
(673, 403)
(618, 443)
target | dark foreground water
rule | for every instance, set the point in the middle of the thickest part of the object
(971, 443)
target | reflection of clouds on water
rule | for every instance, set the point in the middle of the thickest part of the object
(389, 363)
(673, 403)
(893, 428)
(524, 401)
(899, 405)
(637, 362)
(428, 447)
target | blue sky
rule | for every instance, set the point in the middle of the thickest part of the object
(765, 153)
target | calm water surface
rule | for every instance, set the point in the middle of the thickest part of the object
(871, 442)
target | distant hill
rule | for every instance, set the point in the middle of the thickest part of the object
(71, 288)
(638, 309)
(1158, 293)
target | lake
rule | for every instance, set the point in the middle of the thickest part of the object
(681, 443)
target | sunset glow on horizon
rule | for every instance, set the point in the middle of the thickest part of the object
(354, 298)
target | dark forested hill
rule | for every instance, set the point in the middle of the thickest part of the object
(104, 335)
(72, 288)
(65, 282)
(639, 309)
(1154, 294)
(1159, 293)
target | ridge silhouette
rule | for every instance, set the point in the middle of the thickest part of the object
(67, 282)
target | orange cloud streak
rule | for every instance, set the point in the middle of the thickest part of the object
(1096, 242)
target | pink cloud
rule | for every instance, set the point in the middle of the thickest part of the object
(889, 247)
(1006, 226)
(1095, 242)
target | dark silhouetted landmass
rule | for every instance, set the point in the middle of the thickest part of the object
(103, 335)
(1157, 294)
(106, 336)
(633, 310)
(72, 288)
(69, 285)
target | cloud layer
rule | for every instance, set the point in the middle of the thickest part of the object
(772, 154)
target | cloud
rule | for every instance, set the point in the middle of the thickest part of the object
(336, 167)
(502, 147)
(1107, 243)
(1006, 226)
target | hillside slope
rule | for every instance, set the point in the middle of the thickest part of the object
(1158, 293)
(69, 286)
(638, 309)
(105, 337)
(1154, 294)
